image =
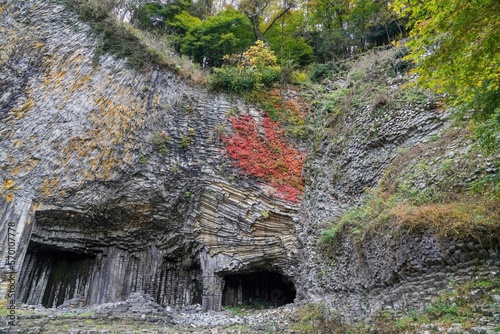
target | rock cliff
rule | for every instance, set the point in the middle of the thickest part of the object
(114, 181)
(123, 174)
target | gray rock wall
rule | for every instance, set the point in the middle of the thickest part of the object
(398, 273)
(344, 166)
(384, 270)
(130, 172)
(121, 173)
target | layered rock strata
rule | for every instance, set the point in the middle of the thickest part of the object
(124, 176)
(114, 181)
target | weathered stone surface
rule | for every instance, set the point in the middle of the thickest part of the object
(383, 270)
(116, 179)
(135, 189)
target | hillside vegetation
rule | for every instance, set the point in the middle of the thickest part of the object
(253, 45)
(449, 185)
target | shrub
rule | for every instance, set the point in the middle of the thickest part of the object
(268, 157)
(185, 141)
(330, 235)
(255, 69)
(300, 78)
(160, 141)
(269, 75)
(322, 71)
(239, 80)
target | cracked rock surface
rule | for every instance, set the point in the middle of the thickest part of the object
(119, 196)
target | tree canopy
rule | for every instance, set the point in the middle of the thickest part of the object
(337, 29)
(288, 40)
(455, 45)
(227, 32)
(159, 16)
(298, 31)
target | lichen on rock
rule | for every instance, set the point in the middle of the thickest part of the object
(119, 189)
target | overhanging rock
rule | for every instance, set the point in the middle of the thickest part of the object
(72, 254)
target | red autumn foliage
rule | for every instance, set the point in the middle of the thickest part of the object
(268, 157)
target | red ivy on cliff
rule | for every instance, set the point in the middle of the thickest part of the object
(266, 156)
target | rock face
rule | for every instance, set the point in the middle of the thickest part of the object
(114, 181)
(123, 175)
(340, 172)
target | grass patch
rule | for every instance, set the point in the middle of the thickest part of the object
(488, 183)
(141, 49)
(454, 193)
(467, 217)
(316, 318)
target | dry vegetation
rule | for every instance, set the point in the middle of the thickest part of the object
(162, 49)
(448, 185)
(454, 195)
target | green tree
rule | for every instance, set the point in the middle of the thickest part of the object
(329, 34)
(264, 14)
(372, 22)
(254, 69)
(172, 19)
(184, 22)
(287, 41)
(158, 16)
(228, 32)
(456, 48)
(340, 28)
(328, 15)
(202, 8)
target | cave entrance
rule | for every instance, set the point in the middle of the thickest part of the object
(258, 289)
(52, 276)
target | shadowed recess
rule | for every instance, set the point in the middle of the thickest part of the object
(263, 288)
(52, 276)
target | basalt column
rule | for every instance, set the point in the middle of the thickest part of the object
(73, 255)
(246, 236)
(50, 277)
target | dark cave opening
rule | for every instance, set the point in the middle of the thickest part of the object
(263, 288)
(52, 276)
